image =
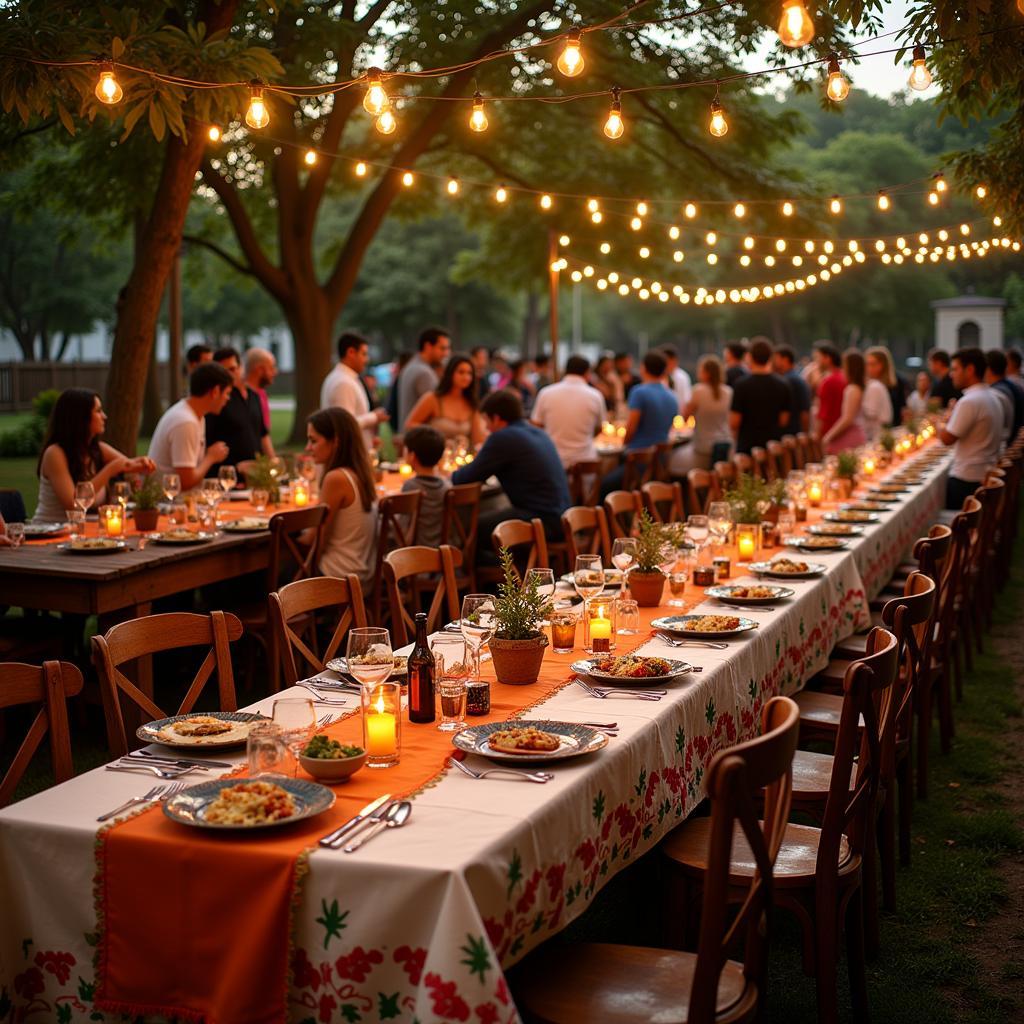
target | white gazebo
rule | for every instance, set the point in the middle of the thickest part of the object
(969, 320)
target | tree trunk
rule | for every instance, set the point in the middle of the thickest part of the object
(311, 327)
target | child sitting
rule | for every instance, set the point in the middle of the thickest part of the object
(424, 447)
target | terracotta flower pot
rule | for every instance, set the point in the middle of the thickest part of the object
(146, 519)
(517, 662)
(846, 486)
(646, 588)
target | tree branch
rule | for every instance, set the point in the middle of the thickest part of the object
(213, 247)
(374, 14)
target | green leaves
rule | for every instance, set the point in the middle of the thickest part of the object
(332, 921)
(477, 958)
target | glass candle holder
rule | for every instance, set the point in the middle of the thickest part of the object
(111, 520)
(599, 627)
(382, 723)
(747, 535)
(300, 493)
(563, 631)
(815, 490)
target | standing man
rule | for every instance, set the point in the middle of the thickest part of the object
(734, 355)
(571, 412)
(784, 362)
(974, 428)
(761, 401)
(831, 385)
(343, 386)
(943, 387)
(260, 371)
(1013, 367)
(196, 354)
(240, 423)
(423, 371)
(678, 379)
(1012, 396)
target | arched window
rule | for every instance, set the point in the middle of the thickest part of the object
(968, 334)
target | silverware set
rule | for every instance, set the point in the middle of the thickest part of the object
(158, 793)
(604, 692)
(675, 641)
(535, 776)
(378, 815)
(329, 719)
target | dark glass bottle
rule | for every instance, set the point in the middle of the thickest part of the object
(421, 676)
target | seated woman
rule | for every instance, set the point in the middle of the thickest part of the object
(709, 405)
(73, 453)
(347, 488)
(451, 407)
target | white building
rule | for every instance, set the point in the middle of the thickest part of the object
(969, 320)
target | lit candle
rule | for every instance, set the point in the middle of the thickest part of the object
(600, 632)
(405, 469)
(112, 520)
(381, 733)
(745, 543)
(814, 493)
(300, 494)
(621, 431)
(678, 422)
(869, 466)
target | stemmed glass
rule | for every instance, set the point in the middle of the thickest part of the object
(172, 486)
(369, 655)
(588, 579)
(85, 494)
(451, 669)
(545, 579)
(121, 492)
(477, 623)
(624, 558)
(678, 577)
(296, 717)
(697, 529)
(227, 476)
(719, 520)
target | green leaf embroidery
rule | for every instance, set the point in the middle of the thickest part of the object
(641, 782)
(680, 740)
(333, 922)
(86, 990)
(599, 805)
(515, 871)
(478, 960)
(63, 1013)
(709, 712)
(387, 1006)
(26, 944)
(351, 1013)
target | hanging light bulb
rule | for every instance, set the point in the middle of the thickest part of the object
(376, 99)
(257, 116)
(500, 194)
(564, 240)
(933, 198)
(838, 88)
(739, 210)
(636, 223)
(883, 201)
(408, 179)
(614, 126)
(690, 210)
(641, 209)
(545, 202)
(107, 88)
(570, 61)
(718, 125)
(940, 183)
(597, 216)
(711, 238)
(478, 119)
(310, 157)
(835, 205)
(453, 186)
(213, 133)
(920, 77)
(787, 209)
(606, 248)
(360, 169)
(673, 232)
(386, 123)
(980, 191)
(593, 205)
(795, 27)
(748, 242)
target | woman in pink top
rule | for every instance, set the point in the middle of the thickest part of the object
(848, 431)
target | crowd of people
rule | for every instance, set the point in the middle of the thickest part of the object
(528, 428)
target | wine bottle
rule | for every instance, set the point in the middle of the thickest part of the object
(421, 676)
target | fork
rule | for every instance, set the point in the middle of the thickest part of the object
(160, 771)
(672, 641)
(603, 694)
(327, 719)
(160, 793)
(538, 776)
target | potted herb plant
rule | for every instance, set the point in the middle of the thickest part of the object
(646, 580)
(147, 499)
(517, 646)
(846, 472)
(263, 473)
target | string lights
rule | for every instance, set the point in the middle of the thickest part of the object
(614, 126)
(838, 87)
(213, 133)
(920, 77)
(718, 126)
(376, 99)
(795, 27)
(478, 119)
(386, 122)
(570, 61)
(257, 116)
(107, 88)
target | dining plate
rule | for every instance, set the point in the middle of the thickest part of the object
(733, 594)
(612, 578)
(573, 741)
(182, 537)
(587, 667)
(159, 731)
(850, 516)
(247, 524)
(768, 569)
(867, 506)
(93, 546)
(816, 543)
(45, 529)
(190, 806)
(835, 530)
(340, 665)
(688, 626)
(884, 489)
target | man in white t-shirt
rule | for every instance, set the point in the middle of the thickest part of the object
(678, 378)
(343, 386)
(974, 428)
(179, 441)
(571, 412)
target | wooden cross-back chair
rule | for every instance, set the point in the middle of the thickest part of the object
(815, 449)
(617, 984)
(526, 541)
(662, 456)
(586, 533)
(50, 686)
(983, 575)
(408, 564)
(780, 458)
(744, 463)
(965, 526)
(702, 487)
(398, 515)
(297, 604)
(663, 501)
(622, 508)
(171, 631)
(764, 467)
(929, 554)
(638, 467)
(460, 525)
(725, 472)
(585, 482)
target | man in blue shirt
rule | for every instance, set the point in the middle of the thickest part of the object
(526, 463)
(652, 408)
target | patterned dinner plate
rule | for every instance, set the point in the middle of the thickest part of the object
(45, 529)
(247, 524)
(875, 505)
(816, 543)
(150, 732)
(183, 537)
(93, 546)
(573, 741)
(683, 626)
(587, 667)
(190, 806)
(734, 594)
(768, 569)
(340, 665)
(850, 516)
(835, 530)
(612, 578)
(884, 489)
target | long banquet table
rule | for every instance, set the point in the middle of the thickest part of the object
(420, 923)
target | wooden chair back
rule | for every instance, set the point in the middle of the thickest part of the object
(408, 563)
(792, 447)
(932, 550)
(49, 686)
(622, 508)
(585, 482)
(638, 466)
(735, 781)
(284, 549)
(398, 515)
(744, 464)
(663, 501)
(526, 541)
(295, 602)
(702, 487)
(153, 634)
(815, 450)
(954, 577)
(586, 533)
(764, 467)
(662, 456)
(803, 444)
(780, 459)
(460, 523)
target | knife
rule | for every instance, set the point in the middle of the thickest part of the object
(146, 755)
(349, 825)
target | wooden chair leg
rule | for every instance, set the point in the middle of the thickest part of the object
(887, 847)
(869, 888)
(855, 958)
(947, 727)
(826, 963)
(904, 773)
(924, 731)
(979, 627)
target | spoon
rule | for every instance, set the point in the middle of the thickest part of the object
(397, 816)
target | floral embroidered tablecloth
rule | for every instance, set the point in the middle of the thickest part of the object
(420, 924)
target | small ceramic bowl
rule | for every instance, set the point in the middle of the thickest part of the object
(332, 769)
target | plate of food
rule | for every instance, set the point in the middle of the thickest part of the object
(246, 524)
(866, 506)
(835, 530)
(182, 535)
(401, 666)
(749, 594)
(850, 516)
(884, 489)
(45, 529)
(612, 578)
(705, 627)
(816, 543)
(93, 546)
(630, 669)
(209, 730)
(245, 804)
(521, 742)
(788, 568)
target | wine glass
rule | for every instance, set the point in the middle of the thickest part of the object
(624, 558)
(227, 476)
(720, 520)
(545, 580)
(477, 623)
(121, 492)
(306, 467)
(697, 528)
(211, 490)
(296, 717)
(678, 577)
(172, 486)
(85, 493)
(588, 579)
(369, 655)
(451, 670)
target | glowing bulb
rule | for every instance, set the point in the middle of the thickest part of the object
(545, 202)
(500, 194)
(597, 216)
(576, 276)
(588, 271)
(673, 232)
(798, 261)
(107, 88)
(795, 27)
(360, 169)
(711, 238)
(593, 205)
(920, 76)
(933, 198)
(883, 201)
(690, 210)
(570, 61)
(636, 283)
(641, 209)
(408, 179)
(387, 122)
(980, 191)
(614, 126)
(613, 277)
(769, 261)
(213, 133)
(636, 223)
(739, 210)
(644, 252)
(940, 183)
(780, 245)
(602, 284)
(997, 221)
(965, 229)
(257, 116)
(787, 209)
(808, 246)
(744, 260)
(453, 186)
(838, 87)
(718, 125)
(678, 256)
(478, 119)
(376, 99)
(309, 157)
(712, 258)
(748, 242)
(606, 248)
(563, 240)
(835, 205)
